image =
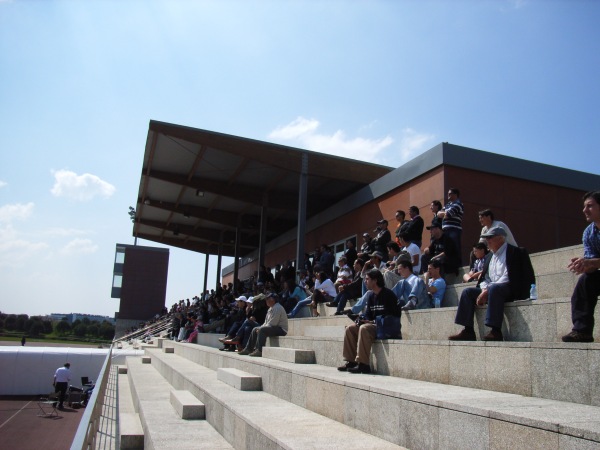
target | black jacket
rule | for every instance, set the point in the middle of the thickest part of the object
(520, 271)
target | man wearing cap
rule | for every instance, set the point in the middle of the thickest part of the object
(442, 247)
(383, 237)
(62, 376)
(367, 247)
(585, 295)
(276, 324)
(507, 275)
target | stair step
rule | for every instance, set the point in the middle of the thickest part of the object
(163, 428)
(242, 381)
(256, 419)
(412, 413)
(292, 355)
(186, 405)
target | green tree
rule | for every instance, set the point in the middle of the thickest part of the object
(47, 326)
(93, 330)
(11, 322)
(62, 328)
(36, 328)
(80, 330)
(21, 322)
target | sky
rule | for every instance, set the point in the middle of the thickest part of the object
(379, 81)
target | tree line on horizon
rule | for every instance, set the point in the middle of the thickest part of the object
(39, 326)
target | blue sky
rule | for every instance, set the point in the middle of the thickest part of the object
(380, 81)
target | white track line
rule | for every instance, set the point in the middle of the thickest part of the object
(9, 419)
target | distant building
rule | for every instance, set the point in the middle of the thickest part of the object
(72, 317)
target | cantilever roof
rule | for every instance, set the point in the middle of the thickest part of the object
(196, 186)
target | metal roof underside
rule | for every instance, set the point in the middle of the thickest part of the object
(197, 186)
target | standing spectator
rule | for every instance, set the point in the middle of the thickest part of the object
(350, 253)
(487, 221)
(367, 247)
(62, 376)
(327, 260)
(585, 295)
(402, 224)
(414, 228)
(435, 207)
(451, 216)
(383, 237)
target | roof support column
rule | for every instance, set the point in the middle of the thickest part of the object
(236, 255)
(263, 231)
(205, 275)
(302, 194)
(219, 259)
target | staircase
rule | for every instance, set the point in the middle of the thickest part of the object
(531, 391)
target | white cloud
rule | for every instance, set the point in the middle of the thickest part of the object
(303, 131)
(295, 129)
(14, 250)
(413, 143)
(3, 183)
(63, 232)
(17, 211)
(79, 246)
(80, 187)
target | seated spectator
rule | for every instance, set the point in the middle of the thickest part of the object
(413, 250)
(349, 291)
(359, 337)
(344, 273)
(436, 285)
(291, 295)
(443, 248)
(410, 290)
(507, 276)
(323, 292)
(236, 320)
(276, 324)
(487, 221)
(480, 250)
(256, 312)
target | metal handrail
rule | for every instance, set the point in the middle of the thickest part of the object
(85, 438)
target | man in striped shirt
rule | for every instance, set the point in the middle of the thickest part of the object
(452, 216)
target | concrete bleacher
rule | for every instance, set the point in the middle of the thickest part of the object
(531, 391)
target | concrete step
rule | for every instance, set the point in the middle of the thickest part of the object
(256, 419)
(131, 433)
(557, 371)
(163, 428)
(544, 320)
(186, 405)
(412, 413)
(292, 355)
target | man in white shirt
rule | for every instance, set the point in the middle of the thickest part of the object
(276, 324)
(507, 275)
(62, 376)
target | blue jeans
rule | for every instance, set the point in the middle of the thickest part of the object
(300, 304)
(498, 294)
(245, 330)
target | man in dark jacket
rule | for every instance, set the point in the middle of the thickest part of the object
(507, 275)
